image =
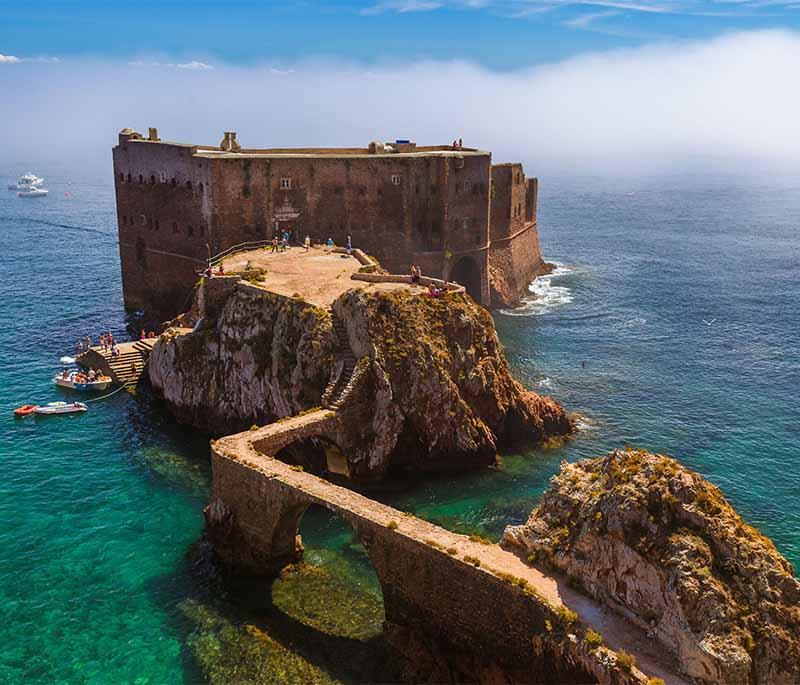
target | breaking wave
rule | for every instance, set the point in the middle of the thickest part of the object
(545, 295)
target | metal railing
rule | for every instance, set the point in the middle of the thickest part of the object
(241, 247)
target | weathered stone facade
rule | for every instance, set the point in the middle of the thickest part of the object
(447, 209)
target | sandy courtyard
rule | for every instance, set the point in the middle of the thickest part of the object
(316, 276)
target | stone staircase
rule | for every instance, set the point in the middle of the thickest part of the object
(127, 368)
(345, 362)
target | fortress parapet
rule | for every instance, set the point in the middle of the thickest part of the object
(445, 208)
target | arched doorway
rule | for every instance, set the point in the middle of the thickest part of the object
(466, 272)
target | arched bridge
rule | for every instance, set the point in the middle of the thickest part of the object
(480, 604)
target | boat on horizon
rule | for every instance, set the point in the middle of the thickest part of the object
(33, 191)
(52, 408)
(26, 182)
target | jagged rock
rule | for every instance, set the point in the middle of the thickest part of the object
(436, 392)
(662, 545)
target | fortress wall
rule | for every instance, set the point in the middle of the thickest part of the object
(427, 211)
(176, 204)
(513, 264)
(162, 214)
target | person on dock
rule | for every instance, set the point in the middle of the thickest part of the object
(79, 348)
(142, 335)
(110, 339)
(103, 342)
(88, 342)
(307, 242)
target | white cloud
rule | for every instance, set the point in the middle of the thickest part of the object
(724, 102)
(583, 21)
(192, 66)
(195, 66)
(403, 6)
(9, 59)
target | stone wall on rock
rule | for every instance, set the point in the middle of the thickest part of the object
(661, 544)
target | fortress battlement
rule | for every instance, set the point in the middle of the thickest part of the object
(445, 208)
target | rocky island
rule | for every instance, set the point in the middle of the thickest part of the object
(434, 391)
(661, 545)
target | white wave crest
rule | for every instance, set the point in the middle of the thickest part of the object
(545, 296)
(546, 383)
(67, 360)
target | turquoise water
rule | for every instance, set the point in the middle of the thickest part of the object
(102, 576)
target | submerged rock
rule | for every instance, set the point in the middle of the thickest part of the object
(434, 389)
(661, 544)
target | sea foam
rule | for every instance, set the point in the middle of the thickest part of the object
(545, 296)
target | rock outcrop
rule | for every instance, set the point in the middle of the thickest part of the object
(660, 544)
(434, 389)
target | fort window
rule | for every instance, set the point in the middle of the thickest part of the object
(174, 227)
(141, 179)
(124, 220)
(129, 178)
(152, 180)
(163, 176)
(158, 225)
(200, 187)
(190, 230)
(396, 178)
(202, 230)
(467, 186)
(121, 177)
(173, 183)
(142, 219)
(286, 184)
(189, 185)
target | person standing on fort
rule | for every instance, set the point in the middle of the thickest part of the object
(307, 242)
(285, 239)
(329, 246)
(274, 244)
(79, 348)
(348, 246)
(88, 342)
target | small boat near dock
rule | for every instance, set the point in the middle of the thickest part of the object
(52, 408)
(25, 409)
(76, 380)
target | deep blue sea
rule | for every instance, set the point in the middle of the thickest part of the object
(671, 323)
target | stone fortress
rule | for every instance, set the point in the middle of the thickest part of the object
(445, 208)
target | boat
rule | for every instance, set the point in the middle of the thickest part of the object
(25, 409)
(60, 408)
(26, 182)
(33, 191)
(75, 380)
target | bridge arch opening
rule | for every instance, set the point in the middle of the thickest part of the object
(467, 273)
(336, 590)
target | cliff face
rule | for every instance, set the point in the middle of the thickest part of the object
(434, 389)
(255, 357)
(440, 393)
(662, 545)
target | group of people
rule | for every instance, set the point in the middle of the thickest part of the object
(80, 377)
(433, 290)
(210, 272)
(458, 144)
(107, 342)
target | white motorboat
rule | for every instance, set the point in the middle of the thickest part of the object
(33, 191)
(26, 182)
(60, 408)
(75, 380)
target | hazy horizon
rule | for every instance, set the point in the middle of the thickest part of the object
(724, 104)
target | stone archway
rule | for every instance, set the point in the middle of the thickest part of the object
(467, 273)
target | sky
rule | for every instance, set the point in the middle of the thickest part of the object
(599, 84)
